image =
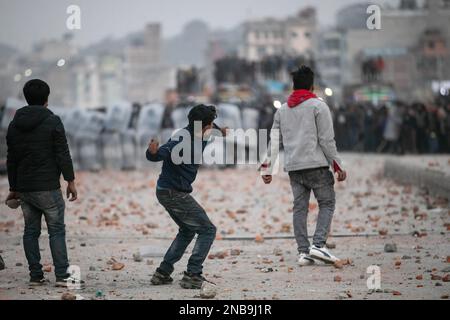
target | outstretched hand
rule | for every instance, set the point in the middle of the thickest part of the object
(267, 179)
(153, 146)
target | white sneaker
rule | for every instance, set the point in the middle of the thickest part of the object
(323, 254)
(305, 260)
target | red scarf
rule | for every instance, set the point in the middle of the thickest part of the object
(299, 96)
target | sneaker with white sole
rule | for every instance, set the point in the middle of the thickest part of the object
(305, 260)
(322, 254)
(70, 282)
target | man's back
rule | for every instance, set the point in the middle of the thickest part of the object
(37, 151)
(307, 135)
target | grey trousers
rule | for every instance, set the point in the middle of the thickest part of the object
(321, 182)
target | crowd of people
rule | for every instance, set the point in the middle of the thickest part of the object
(232, 69)
(396, 128)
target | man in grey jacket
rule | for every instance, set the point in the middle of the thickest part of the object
(304, 127)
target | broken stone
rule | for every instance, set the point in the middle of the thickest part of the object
(390, 248)
(259, 238)
(116, 266)
(208, 291)
(435, 277)
(277, 252)
(137, 257)
(235, 252)
(331, 245)
(68, 296)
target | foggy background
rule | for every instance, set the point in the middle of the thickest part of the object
(25, 22)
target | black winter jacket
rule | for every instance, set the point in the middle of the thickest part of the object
(37, 151)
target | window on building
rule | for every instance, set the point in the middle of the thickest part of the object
(262, 51)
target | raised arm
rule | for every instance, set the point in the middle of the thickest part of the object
(155, 153)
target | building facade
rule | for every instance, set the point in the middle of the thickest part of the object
(293, 36)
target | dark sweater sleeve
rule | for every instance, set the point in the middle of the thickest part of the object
(11, 164)
(164, 152)
(62, 152)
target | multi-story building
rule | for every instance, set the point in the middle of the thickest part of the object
(146, 77)
(293, 36)
(330, 60)
(98, 81)
(413, 44)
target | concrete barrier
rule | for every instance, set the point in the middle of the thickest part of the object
(436, 181)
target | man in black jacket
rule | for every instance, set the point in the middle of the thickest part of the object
(37, 155)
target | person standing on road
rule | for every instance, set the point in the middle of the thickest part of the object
(173, 192)
(37, 155)
(304, 127)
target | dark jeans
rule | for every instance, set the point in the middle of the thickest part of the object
(192, 220)
(321, 182)
(51, 205)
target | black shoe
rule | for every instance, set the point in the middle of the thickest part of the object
(70, 282)
(2, 263)
(160, 278)
(38, 282)
(192, 281)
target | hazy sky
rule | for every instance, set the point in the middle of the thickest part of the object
(23, 22)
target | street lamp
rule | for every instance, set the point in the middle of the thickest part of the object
(28, 73)
(17, 77)
(277, 104)
(328, 92)
(61, 63)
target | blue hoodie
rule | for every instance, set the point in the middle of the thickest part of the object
(173, 176)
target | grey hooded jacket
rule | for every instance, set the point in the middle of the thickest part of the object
(307, 134)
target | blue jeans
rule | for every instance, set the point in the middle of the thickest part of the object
(51, 205)
(321, 182)
(192, 220)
